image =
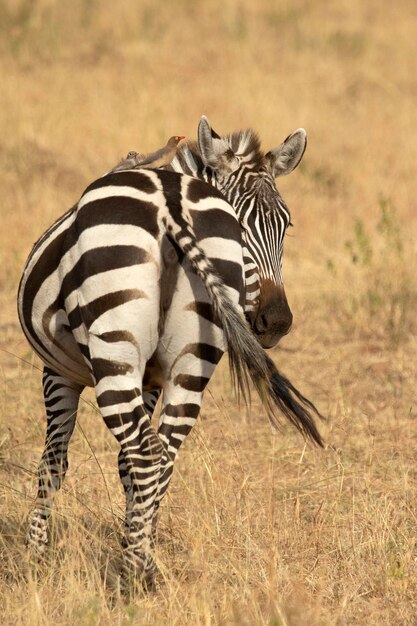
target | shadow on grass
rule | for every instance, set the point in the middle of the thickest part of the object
(90, 552)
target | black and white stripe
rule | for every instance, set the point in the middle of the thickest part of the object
(141, 287)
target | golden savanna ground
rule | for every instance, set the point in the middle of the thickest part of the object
(258, 528)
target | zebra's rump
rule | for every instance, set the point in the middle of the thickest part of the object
(88, 263)
(99, 271)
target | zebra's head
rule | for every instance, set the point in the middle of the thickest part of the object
(246, 176)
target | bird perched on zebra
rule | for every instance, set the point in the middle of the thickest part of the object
(139, 289)
(159, 158)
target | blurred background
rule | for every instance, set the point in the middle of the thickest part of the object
(84, 82)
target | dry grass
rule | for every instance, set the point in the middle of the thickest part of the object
(257, 528)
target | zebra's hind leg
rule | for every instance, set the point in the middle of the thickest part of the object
(61, 401)
(150, 400)
(178, 416)
(121, 405)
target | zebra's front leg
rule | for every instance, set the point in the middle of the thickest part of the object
(61, 401)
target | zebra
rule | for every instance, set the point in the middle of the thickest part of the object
(141, 287)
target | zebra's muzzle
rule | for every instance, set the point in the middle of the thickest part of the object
(273, 319)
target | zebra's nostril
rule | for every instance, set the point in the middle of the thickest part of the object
(261, 323)
(270, 322)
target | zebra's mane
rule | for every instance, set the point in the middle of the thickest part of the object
(245, 144)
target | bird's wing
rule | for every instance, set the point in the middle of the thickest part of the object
(154, 156)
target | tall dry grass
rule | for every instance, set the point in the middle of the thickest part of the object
(257, 528)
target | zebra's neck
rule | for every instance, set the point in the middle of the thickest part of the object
(188, 161)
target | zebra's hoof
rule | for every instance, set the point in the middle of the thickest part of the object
(132, 585)
(138, 574)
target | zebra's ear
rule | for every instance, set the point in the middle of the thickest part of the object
(285, 158)
(215, 151)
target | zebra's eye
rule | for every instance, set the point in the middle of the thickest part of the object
(290, 224)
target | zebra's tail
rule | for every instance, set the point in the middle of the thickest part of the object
(247, 359)
(297, 408)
